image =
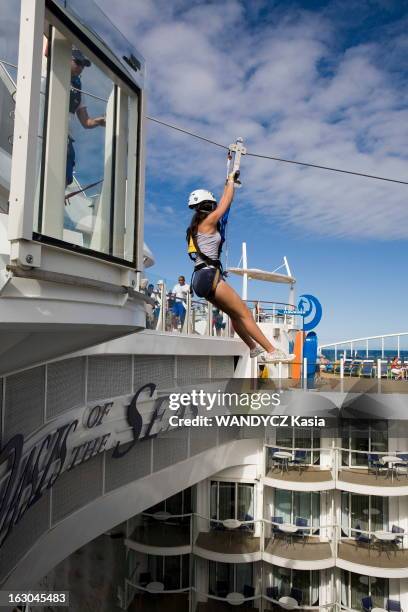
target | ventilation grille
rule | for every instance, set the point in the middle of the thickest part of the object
(222, 367)
(109, 376)
(227, 434)
(135, 464)
(169, 449)
(34, 523)
(65, 386)
(191, 368)
(76, 488)
(201, 438)
(153, 369)
(25, 395)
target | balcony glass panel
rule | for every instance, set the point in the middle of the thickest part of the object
(306, 584)
(87, 193)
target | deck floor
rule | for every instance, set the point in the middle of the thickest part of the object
(228, 542)
(311, 549)
(362, 476)
(308, 474)
(146, 602)
(388, 556)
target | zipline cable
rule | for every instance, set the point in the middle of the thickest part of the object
(280, 159)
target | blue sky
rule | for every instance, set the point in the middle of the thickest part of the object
(324, 82)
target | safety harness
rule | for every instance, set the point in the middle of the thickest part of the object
(193, 249)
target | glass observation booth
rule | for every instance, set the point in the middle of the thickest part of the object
(71, 234)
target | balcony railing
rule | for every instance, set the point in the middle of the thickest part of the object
(375, 468)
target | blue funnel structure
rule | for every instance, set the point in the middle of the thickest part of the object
(310, 353)
(311, 310)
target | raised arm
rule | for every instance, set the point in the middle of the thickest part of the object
(88, 122)
(225, 202)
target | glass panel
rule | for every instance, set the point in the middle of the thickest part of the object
(281, 579)
(87, 196)
(155, 567)
(316, 509)
(345, 588)
(172, 567)
(185, 575)
(284, 437)
(379, 436)
(359, 441)
(214, 500)
(360, 512)
(221, 578)
(302, 580)
(379, 513)
(379, 590)
(187, 503)
(302, 505)
(303, 439)
(174, 504)
(345, 513)
(359, 589)
(314, 590)
(245, 502)
(283, 505)
(226, 508)
(244, 576)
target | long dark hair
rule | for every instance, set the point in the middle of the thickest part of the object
(197, 218)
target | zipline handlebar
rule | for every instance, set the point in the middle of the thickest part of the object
(235, 151)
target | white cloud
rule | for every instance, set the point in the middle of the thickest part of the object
(290, 92)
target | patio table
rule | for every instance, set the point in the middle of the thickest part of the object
(284, 457)
(288, 530)
(288, 603)
(391, 461)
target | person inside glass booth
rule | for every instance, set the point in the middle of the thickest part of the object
(78, 108)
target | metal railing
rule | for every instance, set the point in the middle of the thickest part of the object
(351, 345)
(337, 459)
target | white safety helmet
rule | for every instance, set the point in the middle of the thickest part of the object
(200, 195)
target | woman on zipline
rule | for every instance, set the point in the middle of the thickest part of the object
(204, 240)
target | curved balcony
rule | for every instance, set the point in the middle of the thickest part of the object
(298, 546)
(375, 473)
(230, 540)
(374, 553)
(155, 597)
(300, 469)
(162, 534)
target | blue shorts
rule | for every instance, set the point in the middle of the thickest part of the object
(178, 309)
(205, 282)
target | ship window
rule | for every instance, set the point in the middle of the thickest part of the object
(365, 512)
(354, 587)
(303, 438)
(224, 578)
(232, 500)
(172, 571)
(292, 504)
(86, 197)
(305, 581)
(369, 437)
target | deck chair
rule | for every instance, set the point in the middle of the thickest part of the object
(396, 529)
(303, 530)
(297, 594)
(374, 463)
(394, 605)
(367, 604)
(299, 459)
(272, 592)
(272, 463)
(367, 368)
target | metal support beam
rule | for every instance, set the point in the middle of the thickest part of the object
(26, 123)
